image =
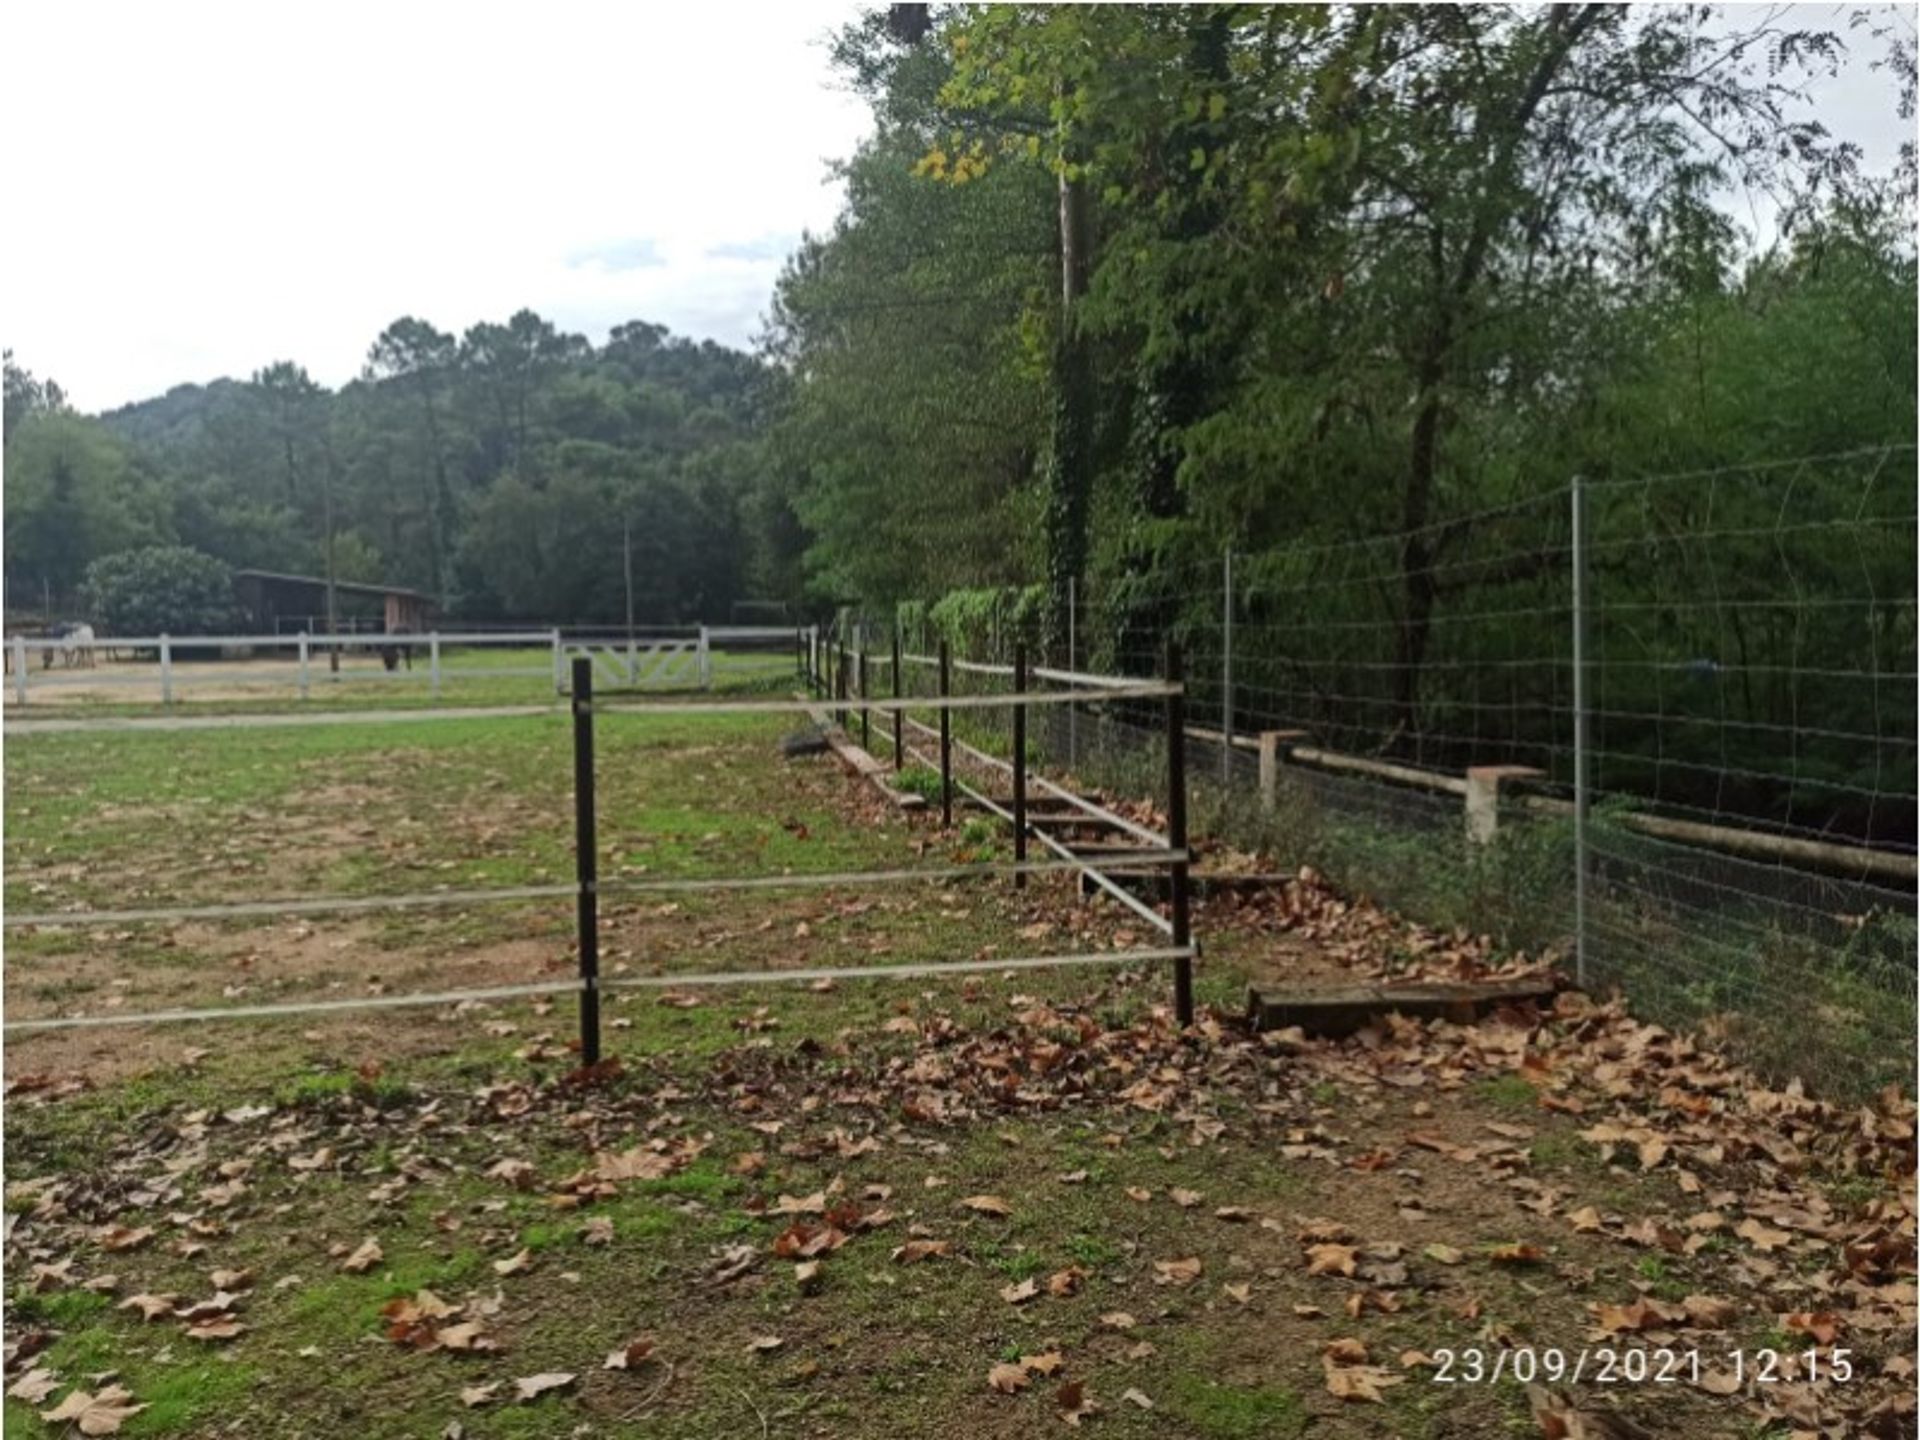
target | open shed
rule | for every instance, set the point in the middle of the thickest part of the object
(274, 602)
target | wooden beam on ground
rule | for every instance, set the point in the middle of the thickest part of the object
(1335, 1012)
(875, 772)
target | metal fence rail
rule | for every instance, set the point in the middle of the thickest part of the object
(587, 887)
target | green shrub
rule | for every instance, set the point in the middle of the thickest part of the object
(161, 590)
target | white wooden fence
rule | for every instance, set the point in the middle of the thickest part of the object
(170, 667)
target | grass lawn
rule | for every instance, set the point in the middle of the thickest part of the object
(1029, 1202)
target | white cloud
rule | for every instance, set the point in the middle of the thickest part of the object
(199, 189)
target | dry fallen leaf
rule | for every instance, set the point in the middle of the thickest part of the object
(1135, 1397)
(1047, 1362)
(1330, 1259)
(34, 1386)
(1074, 1402)
(218, 1327)
(1066, 1282)
(364, 1259)
(1586, 1220)
(1177, 1272)
(101, 1414)
(1020, 1293)
(1761, 1237)
(514, 1264)
(151, 1307)
(531, 1387)
(119, 1237)
(473, 1395)
(1185, 1199)
(1008, 1378)
(915, 1250)
(1118, 1320)
(1823, 1326)
(987, 1205)
(1517, 1254)
(631, 1355)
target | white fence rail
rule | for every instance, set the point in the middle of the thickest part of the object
(266, 666)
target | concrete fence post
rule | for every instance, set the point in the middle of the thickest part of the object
(433, 662)
(1274, 747)
(20, 668)
(1483, 797)
(706, 660)
(166, 670)
(559, 664)
(303, 665)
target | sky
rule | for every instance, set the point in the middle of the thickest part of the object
(200, 189)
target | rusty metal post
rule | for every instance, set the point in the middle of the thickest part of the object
(899, 749)
(586, 862)
(1020, 764)
(946, 744)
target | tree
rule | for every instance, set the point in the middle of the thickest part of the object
(420, 360)
(26, 396)
(73, 493)
(159, 590)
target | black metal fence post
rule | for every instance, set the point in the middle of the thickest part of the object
(586, 862)
(840, 685)
(1020, 765)
(1177, 832)
(946, 744)
(866, 715)
(899, 750)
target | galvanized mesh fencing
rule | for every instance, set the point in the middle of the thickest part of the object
(1662, 728)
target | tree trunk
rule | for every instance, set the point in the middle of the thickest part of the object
(1070, 464)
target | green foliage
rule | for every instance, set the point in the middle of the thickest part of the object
(987, 623)
(73, 492)
(426, 471)
(161, 590)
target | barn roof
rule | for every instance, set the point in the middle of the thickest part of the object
(319, 582)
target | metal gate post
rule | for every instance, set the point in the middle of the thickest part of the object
(946, 744)
(1073, 668)
(1020, 764)
(1177, 833)
(586, 866)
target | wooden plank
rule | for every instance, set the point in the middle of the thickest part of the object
(1332, 1013)
(877, 773)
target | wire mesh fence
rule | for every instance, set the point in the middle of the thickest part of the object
(1661, 728)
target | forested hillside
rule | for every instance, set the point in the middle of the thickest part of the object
(495, 471)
